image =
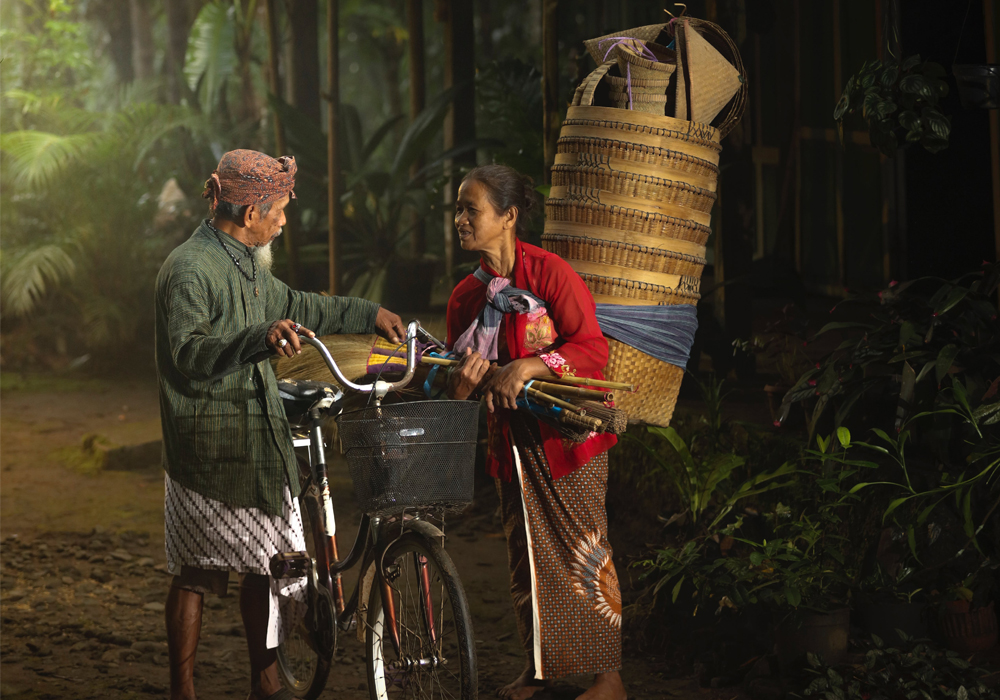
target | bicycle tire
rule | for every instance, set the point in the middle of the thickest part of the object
(386, 677)
(305, 657)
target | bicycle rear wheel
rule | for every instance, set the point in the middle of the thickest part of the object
(437, 656)
(304, 657)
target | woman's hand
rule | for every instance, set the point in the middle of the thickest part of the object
(504, 388)
(467, 375)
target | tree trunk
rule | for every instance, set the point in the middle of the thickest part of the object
(142, 39)
(119, 26)
(486, 29)
(550, 82)
(460, 121)
(274, 76)
(179, 22)
(418, 99)
(303, 75)
(333, 160)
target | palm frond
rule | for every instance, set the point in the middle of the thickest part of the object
(33, 273)
(36, 157)
(211, 52)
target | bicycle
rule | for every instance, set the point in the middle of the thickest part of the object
(417, 630)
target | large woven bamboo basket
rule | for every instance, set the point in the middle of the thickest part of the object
(618, 155)
(587, 211)
(659, 383)
(648, 188)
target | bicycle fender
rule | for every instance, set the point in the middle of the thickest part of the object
(426, 529)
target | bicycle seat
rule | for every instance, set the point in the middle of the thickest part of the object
(300, 395)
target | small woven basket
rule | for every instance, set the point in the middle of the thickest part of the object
(625, 219)
(659, 383)
(630, 63)
(651, 85)
(651, 189)
(638, 257)
(649, 103)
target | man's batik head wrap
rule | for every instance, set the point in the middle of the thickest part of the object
(246, 177)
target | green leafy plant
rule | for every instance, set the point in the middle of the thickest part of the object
(899, 102)
(913, 669)
(913, 336)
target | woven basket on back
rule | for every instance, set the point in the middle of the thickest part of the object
(651, 130)
(631, 157)
(608, 288)
(626, 219)
(622, 254)
(659, 383)
(645, 187)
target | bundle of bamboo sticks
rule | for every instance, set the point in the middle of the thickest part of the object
(580, 401)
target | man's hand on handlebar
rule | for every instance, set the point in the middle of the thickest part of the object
(390, 326)
(283, 337)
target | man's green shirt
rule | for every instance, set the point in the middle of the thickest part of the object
(225, 434)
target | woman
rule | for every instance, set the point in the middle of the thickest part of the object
(528, 312)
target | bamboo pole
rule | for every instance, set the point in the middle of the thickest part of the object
(550, 83)
(418, 91)
(991, 56)
(578, 392)
(332, 157)
(566, 381)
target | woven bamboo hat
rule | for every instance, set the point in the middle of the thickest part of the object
(715, 36)
(712, 80)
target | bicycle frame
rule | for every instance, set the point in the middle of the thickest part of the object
(366, 548)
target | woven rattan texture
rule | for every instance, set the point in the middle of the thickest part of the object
(658, 381)
(648, 155)
(638, 257)
(652, 189)
(625, 219)
(624, 289)
(699, 134)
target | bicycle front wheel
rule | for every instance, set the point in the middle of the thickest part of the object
(304, 657)
(428, 621)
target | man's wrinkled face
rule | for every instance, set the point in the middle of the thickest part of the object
(262, 230)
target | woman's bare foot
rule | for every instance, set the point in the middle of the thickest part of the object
(524, 687)
(607, 686)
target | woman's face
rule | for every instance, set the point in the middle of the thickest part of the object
(480, 226)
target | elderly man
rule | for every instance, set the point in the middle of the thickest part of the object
(231, 475)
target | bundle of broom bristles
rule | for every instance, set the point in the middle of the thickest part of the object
(577, 406)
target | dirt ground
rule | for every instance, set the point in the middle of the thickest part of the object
(83, 576)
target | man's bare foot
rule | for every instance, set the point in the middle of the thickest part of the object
(607, 686)
(524, 687)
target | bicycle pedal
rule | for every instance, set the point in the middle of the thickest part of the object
(290, 565)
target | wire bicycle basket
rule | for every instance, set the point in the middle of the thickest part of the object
(416, 455)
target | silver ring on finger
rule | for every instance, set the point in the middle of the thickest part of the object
(282, 343)
(296, 327)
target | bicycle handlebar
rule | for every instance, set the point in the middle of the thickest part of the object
(379, 388)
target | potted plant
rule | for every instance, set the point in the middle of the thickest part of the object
(899, 101)
(968, 623)
(978, 85)
(891, 602)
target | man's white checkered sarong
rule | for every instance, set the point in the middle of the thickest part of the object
(208, 534)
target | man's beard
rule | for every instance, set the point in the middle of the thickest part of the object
(264, 256)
